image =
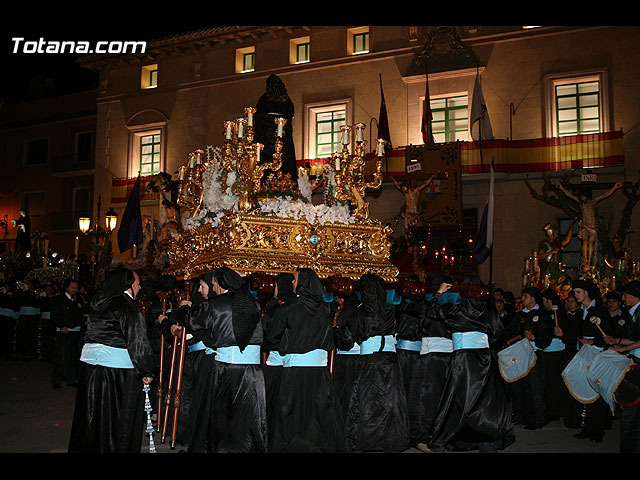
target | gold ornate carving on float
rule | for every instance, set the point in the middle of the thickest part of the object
(235, 225)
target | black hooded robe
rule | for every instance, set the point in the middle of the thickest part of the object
(109, 414)
(306, 416)
(231, 417)
(272, 366)
(474, 407)
(429, 376)
(376, 417)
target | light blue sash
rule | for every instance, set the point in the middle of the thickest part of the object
(29, 311)
(464, 340)
(7, 312)
(196, 347)
(355, 350)
(446, 297)
(436, 344)
(45, 315)
(635, 352)
(314, 358)
(99, 354)
(556, 345)
(373, 344)
(275, 359)
(411, 345)
(250, 355)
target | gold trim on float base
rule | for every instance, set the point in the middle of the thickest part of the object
(248, 242)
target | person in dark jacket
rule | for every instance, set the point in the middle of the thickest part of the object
(596, 415)
(529, 393)
(116, 363)
(67, 316)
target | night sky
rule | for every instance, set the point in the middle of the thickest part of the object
(32, 75)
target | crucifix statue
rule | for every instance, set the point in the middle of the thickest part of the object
(588, 225)
(411, 197)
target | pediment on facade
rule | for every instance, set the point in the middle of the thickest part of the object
(442, 51)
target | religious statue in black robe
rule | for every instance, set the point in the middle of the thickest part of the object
(274, 103)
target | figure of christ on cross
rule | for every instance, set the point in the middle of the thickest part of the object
(411, 197)
(588, 225)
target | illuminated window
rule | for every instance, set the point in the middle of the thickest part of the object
(299, 50)
(358, 40)
(324, 136)
(577, 108)
(150, 154)
(576, 104)
(149, 76)
(245, 59)
(146, 152)
(450, 118)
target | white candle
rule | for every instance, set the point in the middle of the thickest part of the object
(75, 248)
(198, 158)
(280, 122)
(380, 147)
(240, 128)
(345, 135)
(229, 129)
(250, 111)
(337, 163)
(192, 161)
(182, 173)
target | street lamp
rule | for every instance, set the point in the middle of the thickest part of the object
(111, 219)
(84, 223)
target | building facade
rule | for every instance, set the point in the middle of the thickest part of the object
(540, 85)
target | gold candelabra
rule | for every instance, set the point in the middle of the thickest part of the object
(350, 174)
(190, 189)
(240, 154)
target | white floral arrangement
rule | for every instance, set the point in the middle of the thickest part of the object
(287, 207)
(218, 198)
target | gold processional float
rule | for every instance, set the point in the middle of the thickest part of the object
(233, 222)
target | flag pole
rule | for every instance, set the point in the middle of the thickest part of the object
(492, 241)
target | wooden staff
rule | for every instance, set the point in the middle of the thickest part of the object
(332, 355)
(555, 312)
(176, 401)
(161, 375)
(167, 399)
